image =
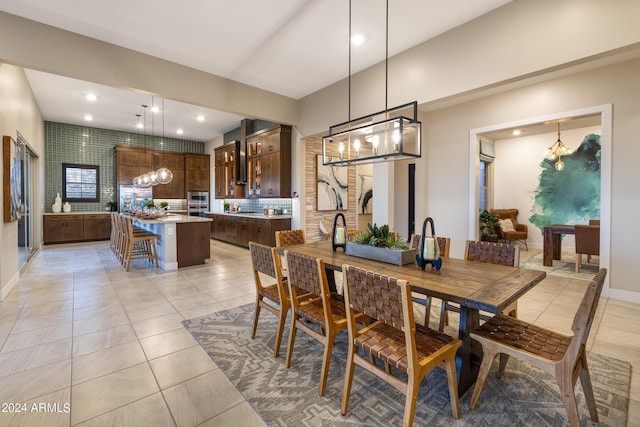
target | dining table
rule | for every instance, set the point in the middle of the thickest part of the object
(552, 242)
(475, 286)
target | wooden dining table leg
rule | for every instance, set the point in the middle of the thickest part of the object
(469, 355)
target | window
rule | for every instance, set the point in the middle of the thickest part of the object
(484, 186)
(80, 183)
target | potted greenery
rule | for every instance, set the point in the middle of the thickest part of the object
(381, 244)
(164, 205)
(226, 206)
(112, 205)
(489, 226)
(149, 204)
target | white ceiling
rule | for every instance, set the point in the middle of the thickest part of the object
(290, 47)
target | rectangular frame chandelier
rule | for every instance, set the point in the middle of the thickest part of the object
(393, 134)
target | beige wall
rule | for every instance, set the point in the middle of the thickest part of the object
(447, 153)
(19, 113)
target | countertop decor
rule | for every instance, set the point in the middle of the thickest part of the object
(380, 244)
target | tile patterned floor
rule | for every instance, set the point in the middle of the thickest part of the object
(79, 331)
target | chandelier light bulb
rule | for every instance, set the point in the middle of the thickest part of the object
(165, 176)
(341, 150)
(356, 146)
(559, 165)
(153, 178)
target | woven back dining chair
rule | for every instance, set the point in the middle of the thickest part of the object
(290, 237)
(491, 253)
(444, 245)
(562, 356)
(323, 310)
(394, 339)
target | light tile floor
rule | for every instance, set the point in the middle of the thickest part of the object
(91, 345)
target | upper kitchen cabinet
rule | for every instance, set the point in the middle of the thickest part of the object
(132, 162)
(197, 172)
(269, 162)
(175, 163)
(227, 169)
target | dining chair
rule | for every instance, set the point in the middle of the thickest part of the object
(274, 296)
(323, 309)
(444, 244)
(394, 339)
(492, 253)
(563, 356)
(290, 237)
(587, 241)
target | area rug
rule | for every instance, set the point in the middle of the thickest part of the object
(525, 396)
(565, 266)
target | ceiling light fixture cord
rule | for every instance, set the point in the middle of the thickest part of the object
(386, 64)
(349, 97)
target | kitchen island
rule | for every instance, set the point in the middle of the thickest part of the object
(240, 228)
(184, 240)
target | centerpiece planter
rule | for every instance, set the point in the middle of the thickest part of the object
(390, 256)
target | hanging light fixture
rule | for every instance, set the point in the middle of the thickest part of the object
(165, 176)
(391, 134)
(557, 150)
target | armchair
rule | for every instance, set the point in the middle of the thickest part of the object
(518, 232)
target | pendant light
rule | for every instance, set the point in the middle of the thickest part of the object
(165, 176)
(391, 134)
(557, 150)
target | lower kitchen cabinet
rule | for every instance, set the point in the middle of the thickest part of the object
(240, 230)
(66, 228)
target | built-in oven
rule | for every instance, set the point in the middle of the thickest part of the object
(197, 203)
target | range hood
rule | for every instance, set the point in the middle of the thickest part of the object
(246, 128)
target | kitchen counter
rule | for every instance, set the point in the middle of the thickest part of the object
(172, 218)
(184, 240)
(78, 213)
(241, 228)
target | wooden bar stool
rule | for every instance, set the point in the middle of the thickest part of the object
(139, 244)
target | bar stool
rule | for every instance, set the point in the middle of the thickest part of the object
(140, 244)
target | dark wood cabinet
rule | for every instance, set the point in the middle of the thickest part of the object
(192, 243)
(65, 228)
(175, 163)
(132, 162)
(240, 230)
(97, 227)
(226, 172)
(269, 163)
(197, 172)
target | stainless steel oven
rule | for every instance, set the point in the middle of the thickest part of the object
(197, 203)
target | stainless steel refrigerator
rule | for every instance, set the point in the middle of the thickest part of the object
(130, 196)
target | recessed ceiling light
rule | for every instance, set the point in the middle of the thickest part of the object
(200, 118)
(88, 117)
(179, 131)
(357, 39)
(91, 97)
(516, 132)
(155, 109)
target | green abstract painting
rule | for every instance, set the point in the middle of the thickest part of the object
(570, 196)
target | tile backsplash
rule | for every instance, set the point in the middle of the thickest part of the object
(257, 205)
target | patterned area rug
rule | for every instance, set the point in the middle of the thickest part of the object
(525, 396)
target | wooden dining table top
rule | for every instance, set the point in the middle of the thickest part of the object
(477, 285)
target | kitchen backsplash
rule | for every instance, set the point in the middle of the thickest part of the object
(257, 205)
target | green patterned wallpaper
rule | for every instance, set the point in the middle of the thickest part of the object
(66, 143)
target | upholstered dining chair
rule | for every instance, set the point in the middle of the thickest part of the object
(274, 296)
(560, 355)
(587, 239)
(444, 244)
(492, 253)
(393, 338)
(323, 310)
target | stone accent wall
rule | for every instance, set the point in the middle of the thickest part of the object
(313, 216)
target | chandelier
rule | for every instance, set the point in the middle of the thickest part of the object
(391, 134)
(154, 177)
(557, 150)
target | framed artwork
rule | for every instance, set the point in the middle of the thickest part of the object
(364, 194)
(332, 187)
(12, 179)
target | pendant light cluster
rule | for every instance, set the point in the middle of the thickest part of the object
(557, 150)
(154, 177)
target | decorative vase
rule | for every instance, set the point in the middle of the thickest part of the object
(56, 208)
(66, 207)
(58, 200)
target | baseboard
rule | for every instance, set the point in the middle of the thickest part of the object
(4, 291)
(621, 295)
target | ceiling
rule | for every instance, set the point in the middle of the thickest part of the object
(290, 47)
(544, 127)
